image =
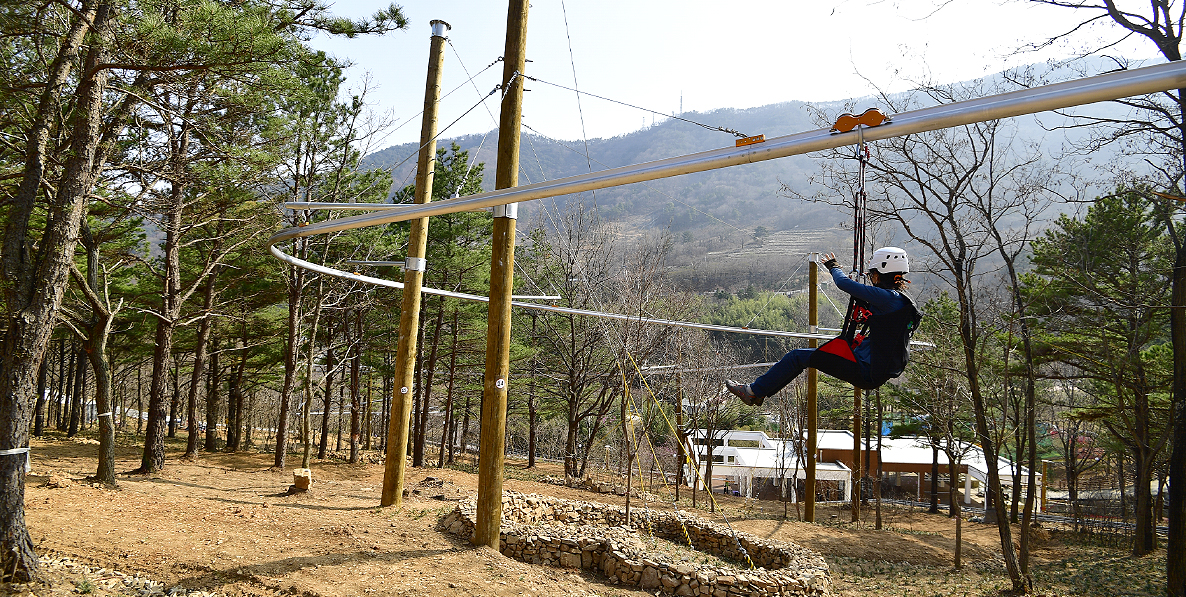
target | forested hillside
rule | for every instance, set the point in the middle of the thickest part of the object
(732, 227)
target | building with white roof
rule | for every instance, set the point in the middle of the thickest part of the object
(747, 461)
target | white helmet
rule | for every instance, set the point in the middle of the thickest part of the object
(890, 260)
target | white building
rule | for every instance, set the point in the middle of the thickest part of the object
(746, 461)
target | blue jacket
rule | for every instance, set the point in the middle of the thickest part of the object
(881, 303)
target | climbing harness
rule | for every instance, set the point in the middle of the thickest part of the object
(835, 356)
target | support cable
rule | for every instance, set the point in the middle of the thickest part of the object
(469, 80)
(455, 121)
(733, 132)
(572, 61)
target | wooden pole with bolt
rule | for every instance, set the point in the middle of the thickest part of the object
(502, 268)
(856, 455)
(812, 389)
(414, 266)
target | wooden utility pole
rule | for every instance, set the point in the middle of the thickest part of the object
(812, 388)
(414, 266)
(856, 454)
(492, 444)
(679, 423)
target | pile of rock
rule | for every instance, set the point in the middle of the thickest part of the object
(574, 534)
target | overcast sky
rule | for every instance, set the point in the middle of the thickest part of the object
(707, 55)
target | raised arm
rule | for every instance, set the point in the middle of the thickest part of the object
(880, 299)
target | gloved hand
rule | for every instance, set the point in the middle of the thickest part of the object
(829, 261)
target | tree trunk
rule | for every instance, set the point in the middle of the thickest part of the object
(984, 433)
(235, 419)
(99, 361)
(355, 381)
(213, 384)
(1121, 482)
(328, 396)
(175, 398)
(934, 478)
(35, 281)
(531, 414)
(79, 393)
(341, 407)
(307, 382)
(1019, 441)
(296, 282)
(955, 511)
(880, 435)
(450, 421)
(95, 346)
(366, 414)
(570, 450)
(61, 383)
(154, 440)
(248, 425)
(195, 378)
(39, 409)
(1144, 536)
(1175, 552)
(426, 386)
(465, 426)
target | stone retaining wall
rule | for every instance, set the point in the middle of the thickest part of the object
(573, 534)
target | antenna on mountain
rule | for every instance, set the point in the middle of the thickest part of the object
(681, 103)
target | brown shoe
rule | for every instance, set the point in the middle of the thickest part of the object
(743, 391)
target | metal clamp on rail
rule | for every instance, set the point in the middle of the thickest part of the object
(415, 264)
(510, 210)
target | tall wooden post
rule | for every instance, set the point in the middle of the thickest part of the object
(856, 454)
(414, 265)
(1045, 469)
(679, 423)
(812, 389)
(502, 268)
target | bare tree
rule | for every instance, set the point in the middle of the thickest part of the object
(956, 193)
(1161, 125)
(575, 258)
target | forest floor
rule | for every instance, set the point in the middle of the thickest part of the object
(227, 525)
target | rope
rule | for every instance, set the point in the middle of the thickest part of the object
(655, 455)
(471, 79)
(572, 61)
(717, 505)
(700, 124)
(860, 208)
(630, 446)
(469, 168)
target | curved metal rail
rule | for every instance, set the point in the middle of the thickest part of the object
(1067, 94)
(329, 271)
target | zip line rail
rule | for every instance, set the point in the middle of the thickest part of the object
(1067, 94)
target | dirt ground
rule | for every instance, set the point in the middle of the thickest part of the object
(227, 524)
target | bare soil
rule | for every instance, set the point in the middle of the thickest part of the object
(228, 524)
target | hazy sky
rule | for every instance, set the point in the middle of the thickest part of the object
(652, 53)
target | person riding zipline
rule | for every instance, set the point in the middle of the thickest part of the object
(866, 361)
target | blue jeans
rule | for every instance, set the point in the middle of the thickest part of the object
(782, 373)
